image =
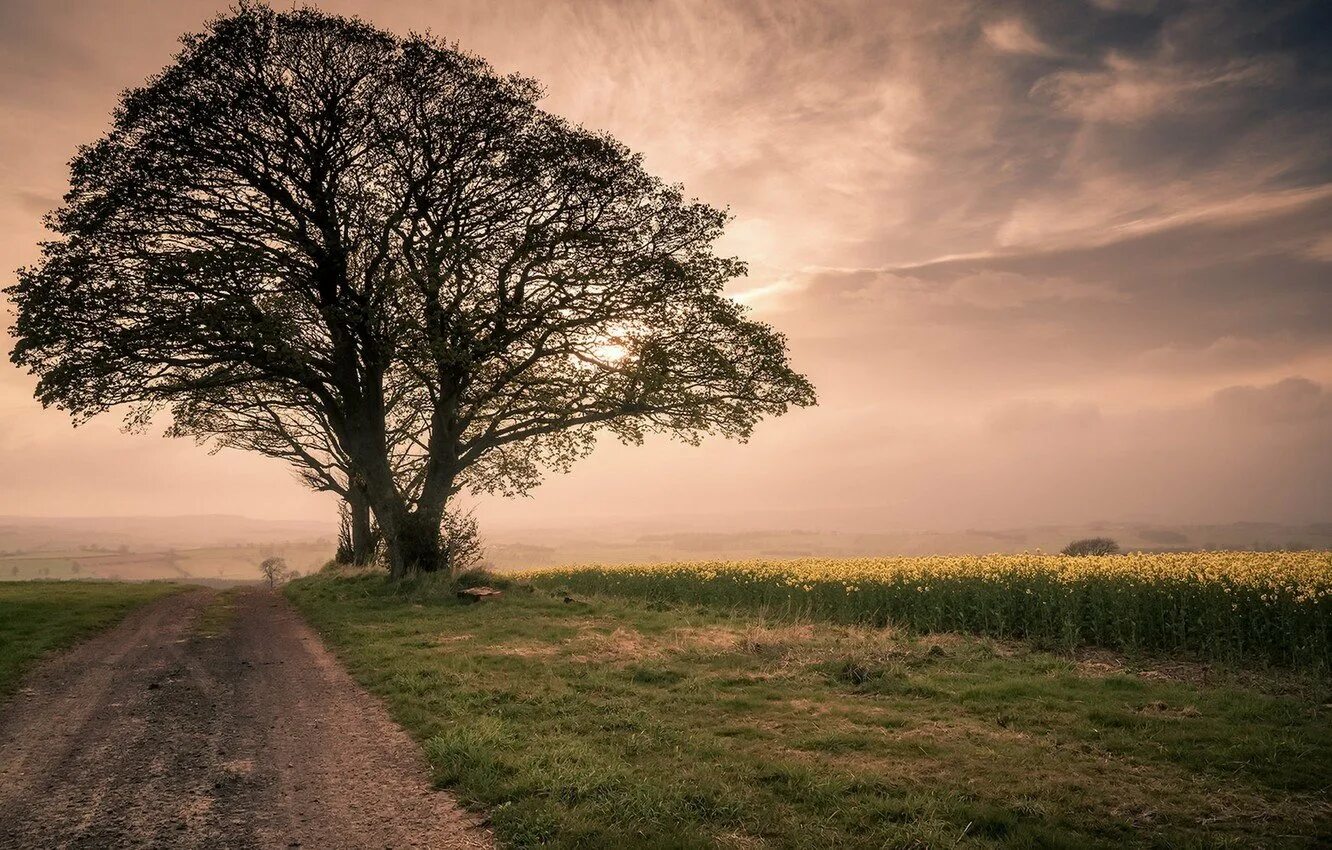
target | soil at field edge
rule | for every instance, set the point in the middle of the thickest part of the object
(152, 734)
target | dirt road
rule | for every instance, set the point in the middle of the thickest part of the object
(152, 735)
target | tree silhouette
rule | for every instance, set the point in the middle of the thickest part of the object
(274, 570)
(1091, 546)
(386, 237)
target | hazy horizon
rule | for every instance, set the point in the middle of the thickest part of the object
(223, 548)
(1046, 264)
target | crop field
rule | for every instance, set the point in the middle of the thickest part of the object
(588, 720)
(1272, 607)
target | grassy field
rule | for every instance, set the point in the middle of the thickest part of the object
(237, 563)
(1273, 607)
(613, 722)
(37, 617)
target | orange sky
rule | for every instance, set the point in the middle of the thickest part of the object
(1045, 262)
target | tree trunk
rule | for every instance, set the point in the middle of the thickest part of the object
(411, 537)
(418, 542)
(362, 532)
(411, 533)
(389, 511)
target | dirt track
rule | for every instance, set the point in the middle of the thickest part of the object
(153, 736)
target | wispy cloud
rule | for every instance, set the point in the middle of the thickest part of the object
(1292, 400)
(1127, 90)
(1013, 35)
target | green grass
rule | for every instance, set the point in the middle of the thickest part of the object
(218, 614)
(612, 723)
(38, 617)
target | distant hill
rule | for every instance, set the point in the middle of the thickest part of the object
(153, 533)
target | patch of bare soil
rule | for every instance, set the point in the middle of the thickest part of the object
(154, 735)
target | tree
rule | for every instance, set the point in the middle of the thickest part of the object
(1092, 546)
(393, 245)
(274, 571)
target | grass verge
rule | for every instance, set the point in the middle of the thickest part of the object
(38, 617)
(218, 614)
(605, 722)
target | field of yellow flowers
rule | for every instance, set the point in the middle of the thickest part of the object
(1274, 607)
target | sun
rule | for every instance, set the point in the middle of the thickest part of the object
(609, 352)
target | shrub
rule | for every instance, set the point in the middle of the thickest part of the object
(1092, 546)
(461, 541)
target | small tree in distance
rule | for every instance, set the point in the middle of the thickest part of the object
(274, 571)
(1092, 546)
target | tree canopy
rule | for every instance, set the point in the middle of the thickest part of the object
(392, 251)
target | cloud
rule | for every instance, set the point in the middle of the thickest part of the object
(1126, 90)
(1205, 234)
(1224, 353)
(1321, 248)
(997, 290)
(1012, 35)
(1140, 7)
(984, 289)
(1043, 417)
(1292, 400)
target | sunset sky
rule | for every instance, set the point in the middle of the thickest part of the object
(1044, 262)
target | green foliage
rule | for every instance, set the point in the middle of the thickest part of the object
(607, 724)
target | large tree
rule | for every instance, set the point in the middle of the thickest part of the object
(453, 287)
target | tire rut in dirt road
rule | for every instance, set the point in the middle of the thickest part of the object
(152, 735)
(103, 745)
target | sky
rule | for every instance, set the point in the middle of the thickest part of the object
(1046, 262)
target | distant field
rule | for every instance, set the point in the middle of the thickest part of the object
(243, 562)
(37, 617)
(215, 562)
(22, 567)
(1272, 607)
(614, 722)
(659, 542)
